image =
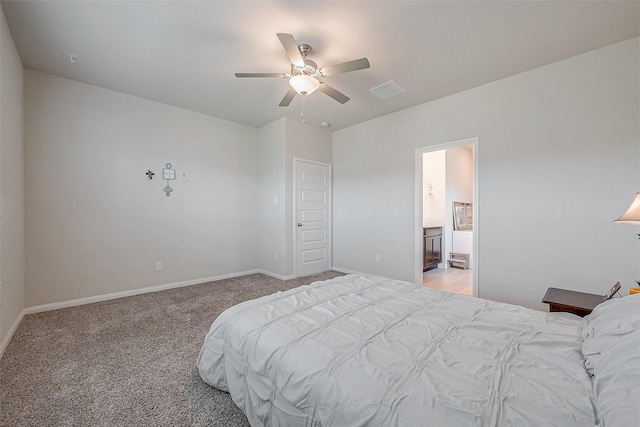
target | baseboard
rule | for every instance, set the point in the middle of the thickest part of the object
(115, 295)
(12, 330)
(345, 271)
(99, 298)
(276, 276)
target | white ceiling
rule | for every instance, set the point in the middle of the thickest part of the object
(185, 53)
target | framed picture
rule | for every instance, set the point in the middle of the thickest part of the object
(168, 173)
(462, 216)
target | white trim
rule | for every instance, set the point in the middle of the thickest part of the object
(115, 295)
(275, 276)
(345, 270)
(418, 206)
(295, 211)
(7, 339)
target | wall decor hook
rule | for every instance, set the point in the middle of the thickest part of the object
(429, 195)
(149, 174)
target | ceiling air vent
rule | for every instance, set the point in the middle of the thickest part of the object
(388, 89)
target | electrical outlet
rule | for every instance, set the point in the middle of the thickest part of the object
(377, 258)
(158, 265)
(181, 263)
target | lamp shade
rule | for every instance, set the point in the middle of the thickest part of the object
(304, 84)
(632, 215)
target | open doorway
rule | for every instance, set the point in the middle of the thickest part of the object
(446, 217)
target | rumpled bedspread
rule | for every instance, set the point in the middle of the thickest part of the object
(364, 350)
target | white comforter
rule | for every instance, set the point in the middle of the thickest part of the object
(363, 350)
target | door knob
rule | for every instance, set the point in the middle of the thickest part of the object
(299, 224)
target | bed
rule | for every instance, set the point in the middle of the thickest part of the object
(364, 350)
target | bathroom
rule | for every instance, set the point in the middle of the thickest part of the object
(447, 219)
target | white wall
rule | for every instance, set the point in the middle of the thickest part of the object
(459, 173)
(434, 174)
(12, 245)
(271, 234)
(95, 223)
(558, 158)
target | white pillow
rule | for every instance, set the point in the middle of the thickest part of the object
(611, 348)
(607, 323)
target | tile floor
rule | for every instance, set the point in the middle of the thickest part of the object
(454, 280)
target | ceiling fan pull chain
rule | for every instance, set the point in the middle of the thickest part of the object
(302, 112)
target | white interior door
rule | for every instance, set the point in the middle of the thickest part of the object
(312, 217)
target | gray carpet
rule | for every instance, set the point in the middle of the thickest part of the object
(125, 362)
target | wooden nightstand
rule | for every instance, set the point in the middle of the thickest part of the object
(579, 303)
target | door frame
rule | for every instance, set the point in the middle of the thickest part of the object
(294, 223)
(419, 207)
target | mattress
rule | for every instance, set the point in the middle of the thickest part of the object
(364, 350)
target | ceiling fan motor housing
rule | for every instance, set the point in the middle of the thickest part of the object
(305, 50)
(310, 69)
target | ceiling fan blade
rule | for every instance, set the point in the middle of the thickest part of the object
(280, 75)
(291, 47)
(288, 98)
(345, 67)
(328, 90)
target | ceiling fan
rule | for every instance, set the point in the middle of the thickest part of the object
(305, 74)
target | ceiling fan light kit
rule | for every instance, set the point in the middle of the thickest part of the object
(304, 84)
(305, 74)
